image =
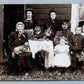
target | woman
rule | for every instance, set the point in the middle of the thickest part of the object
(29, 22)
(17, 38)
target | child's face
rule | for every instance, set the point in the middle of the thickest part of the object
(29, 14)
(62, 41)
(78, 30)
(83, 28)
(53, 15)
(48, 32)
(37, 31)
(65, 25)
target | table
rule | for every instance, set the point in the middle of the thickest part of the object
(36, 46)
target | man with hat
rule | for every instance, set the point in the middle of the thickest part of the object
(64, 32)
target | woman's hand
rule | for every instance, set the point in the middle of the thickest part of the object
(13, 55)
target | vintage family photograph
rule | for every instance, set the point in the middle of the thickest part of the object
(42, 42)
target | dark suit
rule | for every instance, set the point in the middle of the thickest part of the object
(66, 33)
(76, 46)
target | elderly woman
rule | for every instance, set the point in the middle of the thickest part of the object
(17, 41)
(17, 37)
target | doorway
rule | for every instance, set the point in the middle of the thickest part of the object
(12, 14)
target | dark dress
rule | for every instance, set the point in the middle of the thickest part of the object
(30, 24)
(53, 24)
(16, 40)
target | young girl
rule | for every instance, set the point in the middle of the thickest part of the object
(61, 52)
(49, 34)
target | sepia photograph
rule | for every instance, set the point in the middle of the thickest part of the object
(41, 42)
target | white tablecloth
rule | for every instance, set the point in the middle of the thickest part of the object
(36, 46)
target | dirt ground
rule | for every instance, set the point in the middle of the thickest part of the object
(41, 75)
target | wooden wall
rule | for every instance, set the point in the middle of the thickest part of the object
(1, 33)
(41, 14)
(42, 10)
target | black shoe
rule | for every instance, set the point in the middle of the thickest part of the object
(17, 73)
(9, 71)
(50, 69)
(73, 69)
(12, 72)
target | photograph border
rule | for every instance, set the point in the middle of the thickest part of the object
(42, 2)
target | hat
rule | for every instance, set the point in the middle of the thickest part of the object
(19, 23)
(65, 21)
(52, 10)
(29, 9)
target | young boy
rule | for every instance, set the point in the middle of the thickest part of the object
(76, 48)
(38, 34)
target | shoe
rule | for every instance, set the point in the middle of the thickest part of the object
(73, 70)
(12, 72)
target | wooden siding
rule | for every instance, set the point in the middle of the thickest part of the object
(41, 11)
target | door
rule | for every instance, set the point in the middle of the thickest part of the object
(12, 14)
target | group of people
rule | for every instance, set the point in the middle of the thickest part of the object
(68, 48)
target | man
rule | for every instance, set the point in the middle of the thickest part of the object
(65, 32)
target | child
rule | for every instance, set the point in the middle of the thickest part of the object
(62, 57)
(82, 31)
(76, 47)
(38, 33)
(39, 56)
(49, 34)
(82, 57)
(21, 49)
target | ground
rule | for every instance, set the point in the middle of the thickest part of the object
(41, 75)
